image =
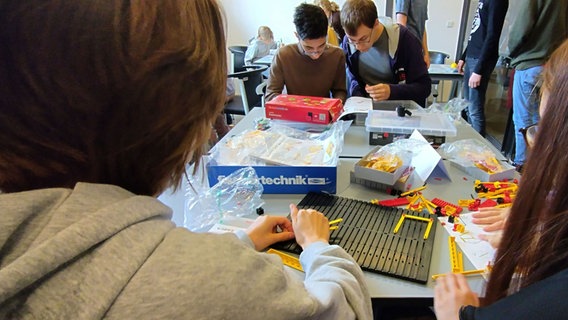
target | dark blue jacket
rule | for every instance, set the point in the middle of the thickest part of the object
(486, 29)
(410, 75)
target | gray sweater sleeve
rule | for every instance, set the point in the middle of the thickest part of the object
(334, 279)
(220, 277)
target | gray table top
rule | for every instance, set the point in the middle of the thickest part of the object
(356, 140)
(356, 146)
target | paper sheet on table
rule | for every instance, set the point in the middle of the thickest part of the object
(231, 224)
(479, 252)
(425, 165)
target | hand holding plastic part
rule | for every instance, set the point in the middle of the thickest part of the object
(267, 230)
(309, 226)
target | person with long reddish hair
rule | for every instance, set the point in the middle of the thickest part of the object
(529, 279)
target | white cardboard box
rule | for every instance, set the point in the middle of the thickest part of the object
(508, 172)
(379, 176)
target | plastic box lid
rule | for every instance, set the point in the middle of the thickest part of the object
(433, 124)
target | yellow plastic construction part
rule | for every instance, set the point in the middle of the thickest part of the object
(456, 260)
(287, 259)
(404, 216)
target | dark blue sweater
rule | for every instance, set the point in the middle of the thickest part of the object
(485, 32)
(410, 79)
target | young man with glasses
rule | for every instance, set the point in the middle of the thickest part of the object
(384, 60)
(309, 67)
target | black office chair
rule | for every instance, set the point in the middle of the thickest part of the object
(238, 58)
(249, 81)
(437, 57)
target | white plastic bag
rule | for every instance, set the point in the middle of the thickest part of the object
(236, 195)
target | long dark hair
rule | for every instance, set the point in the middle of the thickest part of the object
(535, 240)
(117, 92)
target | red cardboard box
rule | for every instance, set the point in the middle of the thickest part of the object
(304, 109)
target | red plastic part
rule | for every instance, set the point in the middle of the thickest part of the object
(441, 203)
(394, 202)
(474, 206)
(488, 203)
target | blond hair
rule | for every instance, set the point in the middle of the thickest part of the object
(328, 6)
(265, 33)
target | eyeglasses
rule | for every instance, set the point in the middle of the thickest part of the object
(313, 52)
(363, 40)
(529, 134)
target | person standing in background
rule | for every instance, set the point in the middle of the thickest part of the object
(261, 46)
(310, 67)
(480, 56)
(413, 15)
(331, 10)
(541, 25)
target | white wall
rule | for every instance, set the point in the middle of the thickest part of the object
(245, 16)
(443, 25)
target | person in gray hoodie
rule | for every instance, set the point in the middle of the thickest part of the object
(102, 105)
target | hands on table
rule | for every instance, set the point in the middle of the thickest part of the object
(307, 226)
(492, 220)
(452, 291)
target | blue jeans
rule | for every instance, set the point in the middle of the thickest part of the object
(475, 96)
(525, 106)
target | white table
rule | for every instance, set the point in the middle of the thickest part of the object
(441, 72)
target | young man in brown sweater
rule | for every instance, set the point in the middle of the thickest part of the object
(309, 67)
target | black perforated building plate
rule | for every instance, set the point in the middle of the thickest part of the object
(366, 233)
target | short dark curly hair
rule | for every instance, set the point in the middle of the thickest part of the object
(310, 21)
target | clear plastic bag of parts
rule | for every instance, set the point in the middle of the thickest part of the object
(280, 144)
(471, 152)
(389, 157)
(236, 195)
(452, 108)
